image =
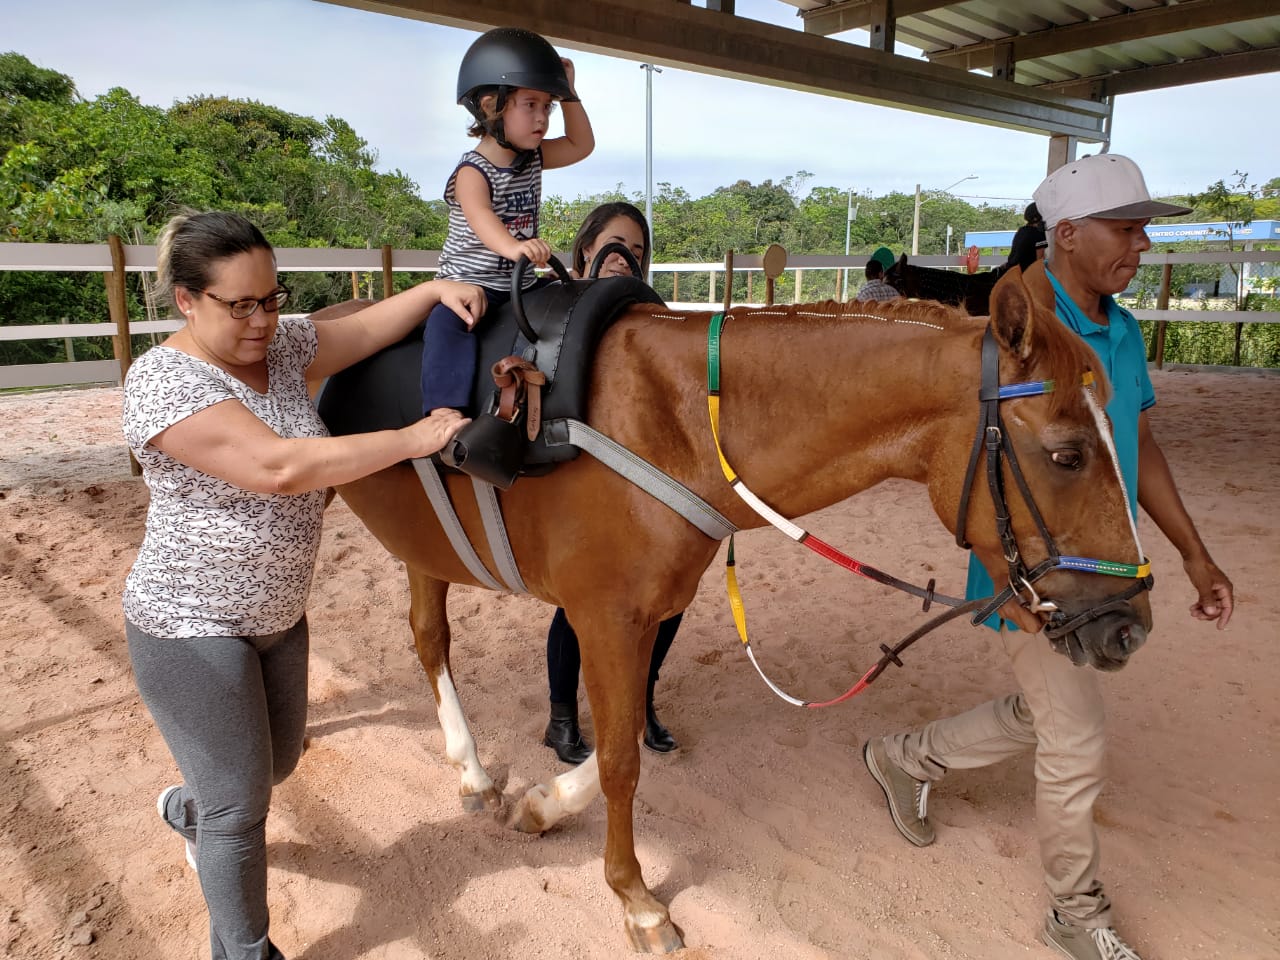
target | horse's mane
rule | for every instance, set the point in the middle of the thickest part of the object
(920, 311)
(1058, 354)
(1063, 357)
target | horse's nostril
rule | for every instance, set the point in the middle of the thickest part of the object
(1124, 639)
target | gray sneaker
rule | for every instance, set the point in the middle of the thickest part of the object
(908, 797)
(1085, 943)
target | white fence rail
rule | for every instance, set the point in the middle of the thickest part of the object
(141, 258)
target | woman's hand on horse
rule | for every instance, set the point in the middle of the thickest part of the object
(537, 250)
(464, 299)
(430, 434)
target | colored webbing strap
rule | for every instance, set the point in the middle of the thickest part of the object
(792, 530)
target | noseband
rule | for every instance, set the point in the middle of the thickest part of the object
(991, 437)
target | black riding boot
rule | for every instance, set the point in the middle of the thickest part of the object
(656, 737)
(563, 735)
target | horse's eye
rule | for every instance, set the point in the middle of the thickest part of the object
(1067, 458)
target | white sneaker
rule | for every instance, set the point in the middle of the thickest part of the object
(162, 803)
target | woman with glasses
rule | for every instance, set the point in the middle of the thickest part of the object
(236, 460)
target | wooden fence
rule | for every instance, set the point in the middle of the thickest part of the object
(114, 260)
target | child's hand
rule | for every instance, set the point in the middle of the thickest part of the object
(464, 299)
(568, 73)
(537, 250)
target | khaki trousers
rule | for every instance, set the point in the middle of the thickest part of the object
(1059, 710)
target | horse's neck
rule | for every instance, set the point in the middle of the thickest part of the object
(815, 410)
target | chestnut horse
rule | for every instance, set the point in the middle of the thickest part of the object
(818, 402)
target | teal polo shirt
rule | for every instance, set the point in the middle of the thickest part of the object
(1123, 358)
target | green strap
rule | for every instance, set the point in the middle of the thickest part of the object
(713, 353)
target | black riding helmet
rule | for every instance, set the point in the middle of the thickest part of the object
(503, 60)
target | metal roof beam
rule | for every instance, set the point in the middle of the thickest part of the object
(858, 14)
(693, 38)
(1244, 64)
(1137, 25)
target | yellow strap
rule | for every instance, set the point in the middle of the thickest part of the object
(735, 595)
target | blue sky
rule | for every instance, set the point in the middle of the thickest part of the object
(394, 80)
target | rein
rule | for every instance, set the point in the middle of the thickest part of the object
(991, 437)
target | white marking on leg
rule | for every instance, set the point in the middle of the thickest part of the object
(567, 794)
(459, 745)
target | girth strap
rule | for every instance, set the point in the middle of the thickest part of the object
(641, 473)
(496, 530)
(429, 474)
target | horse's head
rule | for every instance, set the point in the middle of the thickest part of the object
(1059, 440)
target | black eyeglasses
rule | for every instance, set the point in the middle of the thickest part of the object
(246, 307)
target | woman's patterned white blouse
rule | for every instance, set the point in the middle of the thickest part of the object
(218, 560)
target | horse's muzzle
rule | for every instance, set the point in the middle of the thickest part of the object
(1104, 642)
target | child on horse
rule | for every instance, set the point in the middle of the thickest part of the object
(509, 80)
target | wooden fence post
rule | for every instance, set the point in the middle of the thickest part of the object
(773, 262)
(728, 280)
(675, 286)
(1162, 303)
(118, 306)
(355, 285)
(387, 288)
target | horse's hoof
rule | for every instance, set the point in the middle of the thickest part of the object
(524, 819)
(664, 938)
(486, 801)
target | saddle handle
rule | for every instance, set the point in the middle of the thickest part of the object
(613, 246)
(517, 293)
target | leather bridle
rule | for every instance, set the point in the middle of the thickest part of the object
(992, 438)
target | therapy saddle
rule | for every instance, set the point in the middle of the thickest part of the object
(567, 319)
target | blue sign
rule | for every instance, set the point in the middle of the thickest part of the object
(1158, 232)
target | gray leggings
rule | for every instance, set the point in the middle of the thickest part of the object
(233, 711)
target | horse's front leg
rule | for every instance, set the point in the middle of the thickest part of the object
(615, 667)
(615, 661)
(431, 638)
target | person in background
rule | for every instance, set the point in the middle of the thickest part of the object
(876, 287)
(237, 461)
(608, 223)
(1096, 211)
(510, 80)
(1029, 242)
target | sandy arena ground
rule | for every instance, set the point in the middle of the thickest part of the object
(764, 834)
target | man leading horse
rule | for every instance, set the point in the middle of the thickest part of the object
(1095, 211)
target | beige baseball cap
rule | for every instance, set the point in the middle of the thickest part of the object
(1107, 185)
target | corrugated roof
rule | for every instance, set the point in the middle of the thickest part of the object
(1084, 48)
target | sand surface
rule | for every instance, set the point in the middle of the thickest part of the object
(764, 833)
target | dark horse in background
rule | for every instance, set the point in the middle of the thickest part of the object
(818, 402)
(972, 291)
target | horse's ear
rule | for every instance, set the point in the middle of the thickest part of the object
(1038, 285)
(1012, 313)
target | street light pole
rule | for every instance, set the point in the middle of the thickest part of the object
(915, 223)
(850, 212)
(649, 70)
